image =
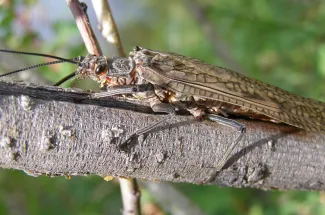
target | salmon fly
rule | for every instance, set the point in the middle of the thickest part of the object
(172, 82)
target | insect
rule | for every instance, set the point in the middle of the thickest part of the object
(172, 82)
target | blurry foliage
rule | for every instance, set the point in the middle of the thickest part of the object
(23, 194)
(277, 42)
(280, 42)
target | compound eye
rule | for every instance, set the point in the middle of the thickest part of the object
(100, 69)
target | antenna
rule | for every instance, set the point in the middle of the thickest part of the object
(34, 66)
(76, 61)
(41, 55)
(64, 79)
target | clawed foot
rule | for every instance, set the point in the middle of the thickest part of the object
(126, 145)
(130, 142)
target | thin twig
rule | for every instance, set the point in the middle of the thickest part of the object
(130, 196)
(129, 187)
(107, 25)
(79, 13)
(171, 200)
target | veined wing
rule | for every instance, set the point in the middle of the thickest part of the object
(194, 77)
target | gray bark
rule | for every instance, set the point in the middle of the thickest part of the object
(54, 131)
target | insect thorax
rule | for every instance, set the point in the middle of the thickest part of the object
(118, 66)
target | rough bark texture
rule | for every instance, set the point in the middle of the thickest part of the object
(54, 131)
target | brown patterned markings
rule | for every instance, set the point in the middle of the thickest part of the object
(202, 92)
(201, 78)
(243, 87)
(305, 114)
(186, 88)
(270, 94)
(240, 103)
(229, 85)
(208, 94)
(278, 99)
(197, 91)
(192, 90)
(210, 79)
(319, 119)
(237, 88)
(232, 101)
(219, 97)
(226, 99)
(286, 116)
(217, 83)
(259, 108)
(251, 90)
(294, 110)
(180, 86)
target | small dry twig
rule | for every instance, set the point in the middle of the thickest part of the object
(129, 187)
(107, 25)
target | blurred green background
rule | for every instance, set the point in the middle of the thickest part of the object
(281, 42)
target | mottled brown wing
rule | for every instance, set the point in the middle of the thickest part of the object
(194, 77)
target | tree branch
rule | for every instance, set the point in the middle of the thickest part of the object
(107, 26)
(172, 200)
(129, 187)
(54, 131)
(79, 13)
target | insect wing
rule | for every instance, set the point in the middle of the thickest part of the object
(194, 77)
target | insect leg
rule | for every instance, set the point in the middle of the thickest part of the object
(158, 107)
(230, 123)
(122, 89)
(152, 126)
